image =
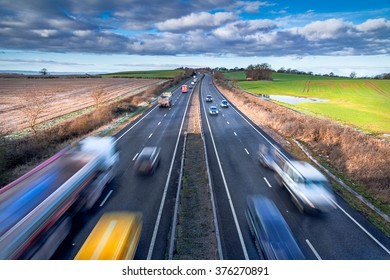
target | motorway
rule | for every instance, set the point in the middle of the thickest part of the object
(232, 142)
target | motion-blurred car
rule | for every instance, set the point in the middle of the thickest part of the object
(213, 110)
(224, 104)
(209, 98)
(114, 237)
(148, 160)
(271, 231)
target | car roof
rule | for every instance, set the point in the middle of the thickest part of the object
(307, 170)
(213, 107)
(148, 150)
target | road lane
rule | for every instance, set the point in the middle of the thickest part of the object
(147, 194)
(332, 236)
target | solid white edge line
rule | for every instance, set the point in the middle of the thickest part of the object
(153, 241)
(105, 199)
(362, 228)
(227, 191)
(345, 212)
(313, 250)
(134, 125)
(177, 201)
(269, 185)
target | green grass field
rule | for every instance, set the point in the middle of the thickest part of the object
(362, 103)
(155, 74)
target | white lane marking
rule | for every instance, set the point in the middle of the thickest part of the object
(227, 191)
(165, 115)
(135, 156)
(134, 125)
(228, 123)
(235, 133)
(314, 250)
(105, 199)
(158, 220)
(159, 123)
(362, 228)
(246, 151)
(150, 135)
(269, 185)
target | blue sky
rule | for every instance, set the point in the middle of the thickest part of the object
(109, 36)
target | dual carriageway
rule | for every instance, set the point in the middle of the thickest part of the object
(231, 142)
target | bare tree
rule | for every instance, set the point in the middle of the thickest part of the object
(98, 96)
(43, 71)
(259, 72)
(33, 106)
(352, 75)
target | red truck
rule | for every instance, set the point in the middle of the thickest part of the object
(184, 88)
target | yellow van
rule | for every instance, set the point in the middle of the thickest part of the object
(115, 237)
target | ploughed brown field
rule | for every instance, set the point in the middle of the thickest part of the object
(63, 96)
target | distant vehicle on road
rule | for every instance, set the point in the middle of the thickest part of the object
(184, 88)
(209, 98)
(165, 99)
(213, 110)
(148, 160)
(272, 233)
(308, 187)
(224, 104)
(115, 237)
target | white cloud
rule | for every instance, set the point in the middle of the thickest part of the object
(196, 20)
(322, 30)
(45, 33)
(82, 33)
(373, 24)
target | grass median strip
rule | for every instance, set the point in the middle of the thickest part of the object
(195, 233)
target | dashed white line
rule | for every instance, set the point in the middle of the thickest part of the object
(150, 135)
(165, 115)
(228, 123)
(314, 250)
(135, 156)
(235, 133)
(159, 123)
(105, 199)
(246, 151)
(269, 185)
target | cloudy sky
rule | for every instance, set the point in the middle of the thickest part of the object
(108, 36)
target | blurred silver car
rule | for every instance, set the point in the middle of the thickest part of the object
(147, 160)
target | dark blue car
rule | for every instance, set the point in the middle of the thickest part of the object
(271, 231)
